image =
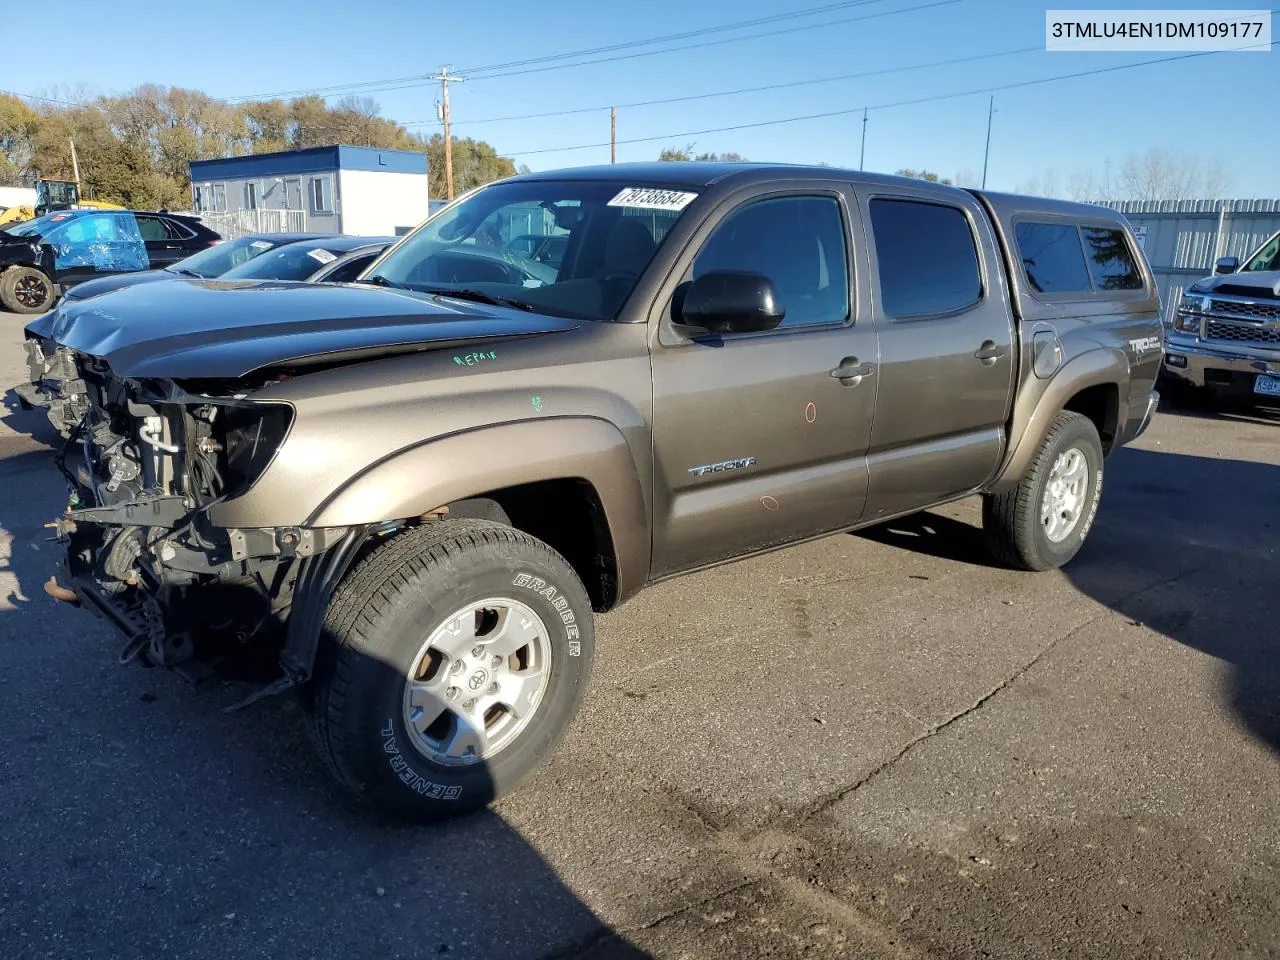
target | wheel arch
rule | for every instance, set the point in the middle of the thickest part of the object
(1092, 384)
(569, 481)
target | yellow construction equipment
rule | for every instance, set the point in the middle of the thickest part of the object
(53, 195)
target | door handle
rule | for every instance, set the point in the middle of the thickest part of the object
(851, 371)
(989, 352)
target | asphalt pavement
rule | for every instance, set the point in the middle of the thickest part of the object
(875, 746)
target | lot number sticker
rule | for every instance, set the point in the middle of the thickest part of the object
(262, 244)
(324, 256)
(648, 198)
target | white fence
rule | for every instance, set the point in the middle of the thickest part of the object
(231, 224)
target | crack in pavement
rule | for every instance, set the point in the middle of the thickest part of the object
(743, 856)
(823, 803)
(605, 933)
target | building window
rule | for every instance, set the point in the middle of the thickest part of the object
(251, 195)
(211, 197)
(321, 195)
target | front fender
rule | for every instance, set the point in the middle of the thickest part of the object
(1040, 401)
(417, 480)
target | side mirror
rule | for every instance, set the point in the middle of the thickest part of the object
(1227, 265)
(729, 301)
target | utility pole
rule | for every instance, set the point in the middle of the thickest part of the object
(445, 79)
(863, 155)
(613, 134)
(75, 164)
(991, 109)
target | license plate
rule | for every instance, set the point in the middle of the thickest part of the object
(1267, 386)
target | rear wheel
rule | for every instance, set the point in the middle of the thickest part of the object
(26, 290)
(1042, 522)
(452, 661)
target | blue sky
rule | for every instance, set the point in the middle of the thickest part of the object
(1067, 126)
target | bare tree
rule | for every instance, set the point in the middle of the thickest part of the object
(967, 178)
(1165, 175)
(1083, 185)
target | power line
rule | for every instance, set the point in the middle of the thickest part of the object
(740, 90)
(723, 41)
(884, 106)
(420, 80)
(32, 96)
(703, 31)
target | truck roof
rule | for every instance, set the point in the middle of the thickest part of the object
(700, 174)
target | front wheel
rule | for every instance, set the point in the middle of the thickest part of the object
(26, 290)
(452, 660)
(1041, 524)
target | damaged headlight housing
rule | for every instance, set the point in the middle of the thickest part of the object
(250, 435)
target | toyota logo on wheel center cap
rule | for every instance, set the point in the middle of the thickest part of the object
(478, 679)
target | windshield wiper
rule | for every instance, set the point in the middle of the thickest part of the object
(379, 280)
(478, 296)
(185, 272)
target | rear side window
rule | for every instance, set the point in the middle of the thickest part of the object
(1110, 261)
(1052, 257)
(927, 258)
(1066, 258)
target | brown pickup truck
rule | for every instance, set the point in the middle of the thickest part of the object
(408, 496)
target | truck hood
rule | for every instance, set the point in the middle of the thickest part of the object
(1264, 284)
(100, 285)
(225, 329)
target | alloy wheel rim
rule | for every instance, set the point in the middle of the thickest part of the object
(30, 292)
(477, 681)
(1065, 494)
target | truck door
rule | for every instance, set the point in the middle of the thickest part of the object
(941, 306)
(760, 439)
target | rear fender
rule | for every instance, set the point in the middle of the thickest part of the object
(420, 479)
(1040, 401)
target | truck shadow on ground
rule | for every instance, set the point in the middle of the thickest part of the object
(195, 832)
(1184, 545)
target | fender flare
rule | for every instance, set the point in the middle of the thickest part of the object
(1033, 412)
(417, 480)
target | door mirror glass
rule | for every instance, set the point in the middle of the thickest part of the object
(1227, 265)
(729, 301)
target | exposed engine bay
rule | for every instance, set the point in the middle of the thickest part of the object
(144, 460)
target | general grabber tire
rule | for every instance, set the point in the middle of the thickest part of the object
(1041, 524)
(26, 290)
(450, 629)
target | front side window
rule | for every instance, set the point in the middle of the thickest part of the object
(1110, 261)
(467, 250)
(798, 243)
(1052, 257)
(926, 256)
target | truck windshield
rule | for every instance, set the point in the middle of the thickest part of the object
(1268, 258)
(481, 249)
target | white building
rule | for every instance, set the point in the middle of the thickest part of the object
(365, 191)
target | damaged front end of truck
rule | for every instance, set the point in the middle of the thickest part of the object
(168, 407)
(145, 461)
